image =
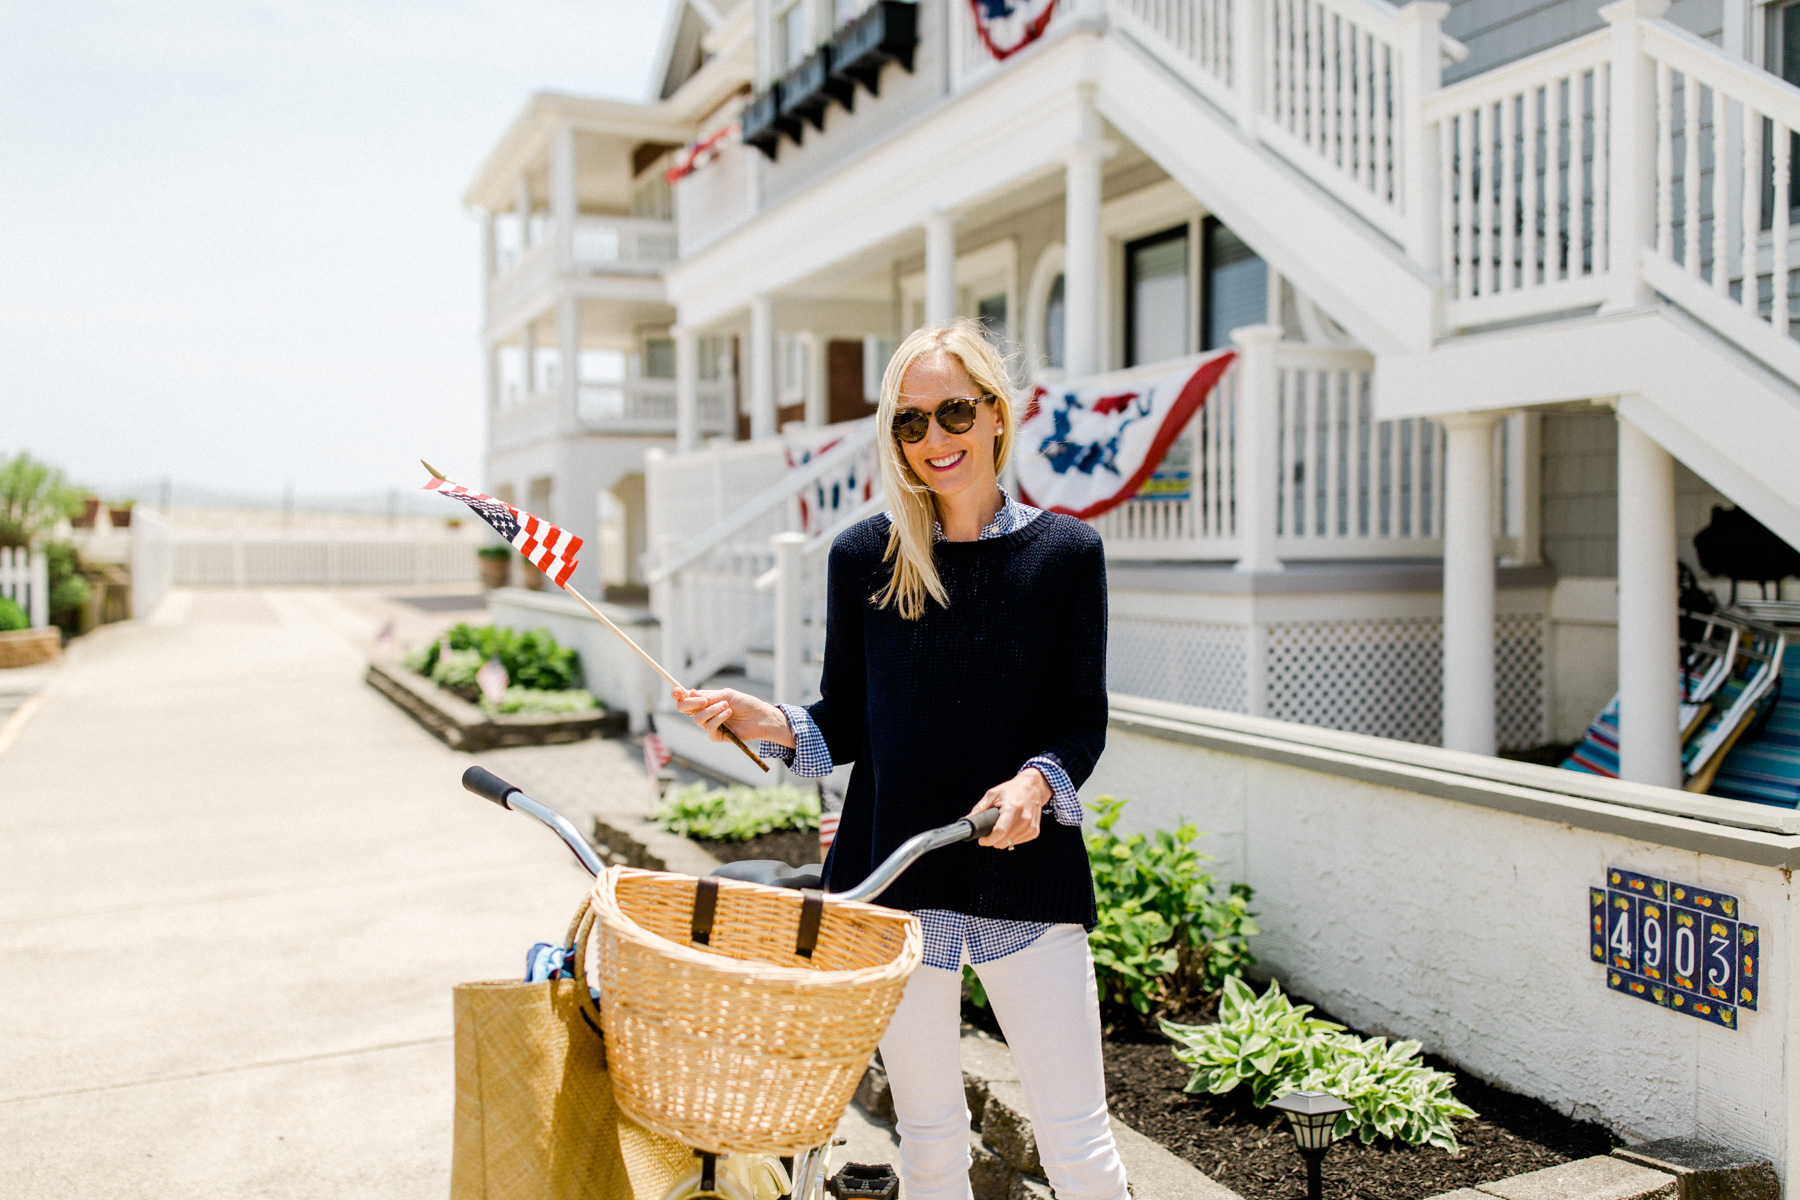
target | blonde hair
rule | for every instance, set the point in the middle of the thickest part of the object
(910, 499)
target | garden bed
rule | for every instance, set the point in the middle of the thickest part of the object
(463, 726)
(1250, 1150)
(795, 847)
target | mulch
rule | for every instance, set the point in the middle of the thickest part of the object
(795, 847)
(1250, 1150)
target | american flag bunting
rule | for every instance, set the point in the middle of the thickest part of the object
(549, 549)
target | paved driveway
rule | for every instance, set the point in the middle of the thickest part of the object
(236, 886)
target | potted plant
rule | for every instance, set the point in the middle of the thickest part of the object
(496, 565)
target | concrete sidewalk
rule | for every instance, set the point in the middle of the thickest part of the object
(236, 887)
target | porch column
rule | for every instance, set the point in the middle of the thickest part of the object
(528, 349)
(687, 389)
(762, 367)
(568, 352)
(489, 260)
(1649, 616)
(1256, 470)
(491, 360)
(522, 211)
(563, 201)
(940, 268)
(1469, 583)
(1081, 244)
(1631, 170)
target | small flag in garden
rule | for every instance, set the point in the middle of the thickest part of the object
(656, 752)
(831, 807)
(549, 549)
(492, 679)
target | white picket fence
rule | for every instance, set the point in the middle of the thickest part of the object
(25, 580)
(250, 560)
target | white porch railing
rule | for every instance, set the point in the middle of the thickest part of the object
(621, 245)
(594, 246)
(713, 545)
(523, 421)
(1634, 161)
(647, 406)
(1343, 485)
(25, 580)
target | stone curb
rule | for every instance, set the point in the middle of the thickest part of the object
(1668, 1169)
(462, 726)
(1004, 1154)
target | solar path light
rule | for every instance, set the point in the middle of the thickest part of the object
(1312, 1115)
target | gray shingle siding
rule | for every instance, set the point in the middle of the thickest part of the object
(1499, 31)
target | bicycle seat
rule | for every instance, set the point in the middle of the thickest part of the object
(774, 873)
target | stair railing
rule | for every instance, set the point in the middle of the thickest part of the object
(704, 592)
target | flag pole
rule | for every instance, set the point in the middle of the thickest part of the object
(626, 638)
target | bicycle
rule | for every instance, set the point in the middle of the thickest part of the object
(748, 1176)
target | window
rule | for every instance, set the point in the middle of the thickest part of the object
(793, 368)
(846, 11)
(1235, 286)
(1054, 327)
(991, 312)
(1156, 297)
(795, 44)
(659, 358)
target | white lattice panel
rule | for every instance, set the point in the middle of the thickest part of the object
(1187, 662)
(1381, 677)
(1520, 712)
(1385, 677)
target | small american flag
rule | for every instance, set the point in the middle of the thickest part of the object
(549, 549)
(492, 680)
(656, 753)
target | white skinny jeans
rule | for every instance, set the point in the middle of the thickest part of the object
(1046, 1001)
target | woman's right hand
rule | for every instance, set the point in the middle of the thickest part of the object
(716, 709)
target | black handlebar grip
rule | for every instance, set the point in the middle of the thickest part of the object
(984, 822)
(488, 786)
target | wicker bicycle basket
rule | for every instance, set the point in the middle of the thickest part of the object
(741, 1044)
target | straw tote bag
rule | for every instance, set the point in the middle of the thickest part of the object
(535, 1117)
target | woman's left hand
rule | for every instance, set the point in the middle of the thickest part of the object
(1021, 801)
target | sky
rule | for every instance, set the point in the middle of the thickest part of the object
(233, 251)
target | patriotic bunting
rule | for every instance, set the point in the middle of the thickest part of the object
(1008, 26)
(549, 549)
(1085, 450)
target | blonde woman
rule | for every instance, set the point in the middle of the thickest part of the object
(965, 648)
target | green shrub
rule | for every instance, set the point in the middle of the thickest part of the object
(1271, 1044)
(497, 553)
(532, 701)
(69, 589)
(34, 496)
(1166, 937)
(532, 659)
(737, 814)
(12, 617)
(454, 671)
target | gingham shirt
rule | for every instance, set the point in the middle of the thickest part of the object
(951, 938)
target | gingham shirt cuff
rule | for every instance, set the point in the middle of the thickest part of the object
(1064, 802)
(809, 758)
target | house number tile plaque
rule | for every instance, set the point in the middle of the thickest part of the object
(1674, 945)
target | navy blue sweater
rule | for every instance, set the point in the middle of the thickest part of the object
(934, 712)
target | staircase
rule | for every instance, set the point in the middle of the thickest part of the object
(1577, 224)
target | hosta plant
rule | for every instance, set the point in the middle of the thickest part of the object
(737, 814)
(1274, 1047)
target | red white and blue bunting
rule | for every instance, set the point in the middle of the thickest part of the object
(1008, 26)
(1085, 449)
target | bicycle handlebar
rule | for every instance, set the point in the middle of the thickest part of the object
(489, 786)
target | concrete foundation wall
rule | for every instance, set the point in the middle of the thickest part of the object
(1427, 894)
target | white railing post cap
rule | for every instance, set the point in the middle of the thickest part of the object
(1625, 10)
(1257, 335)
(1423, 10)
(792, 537)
